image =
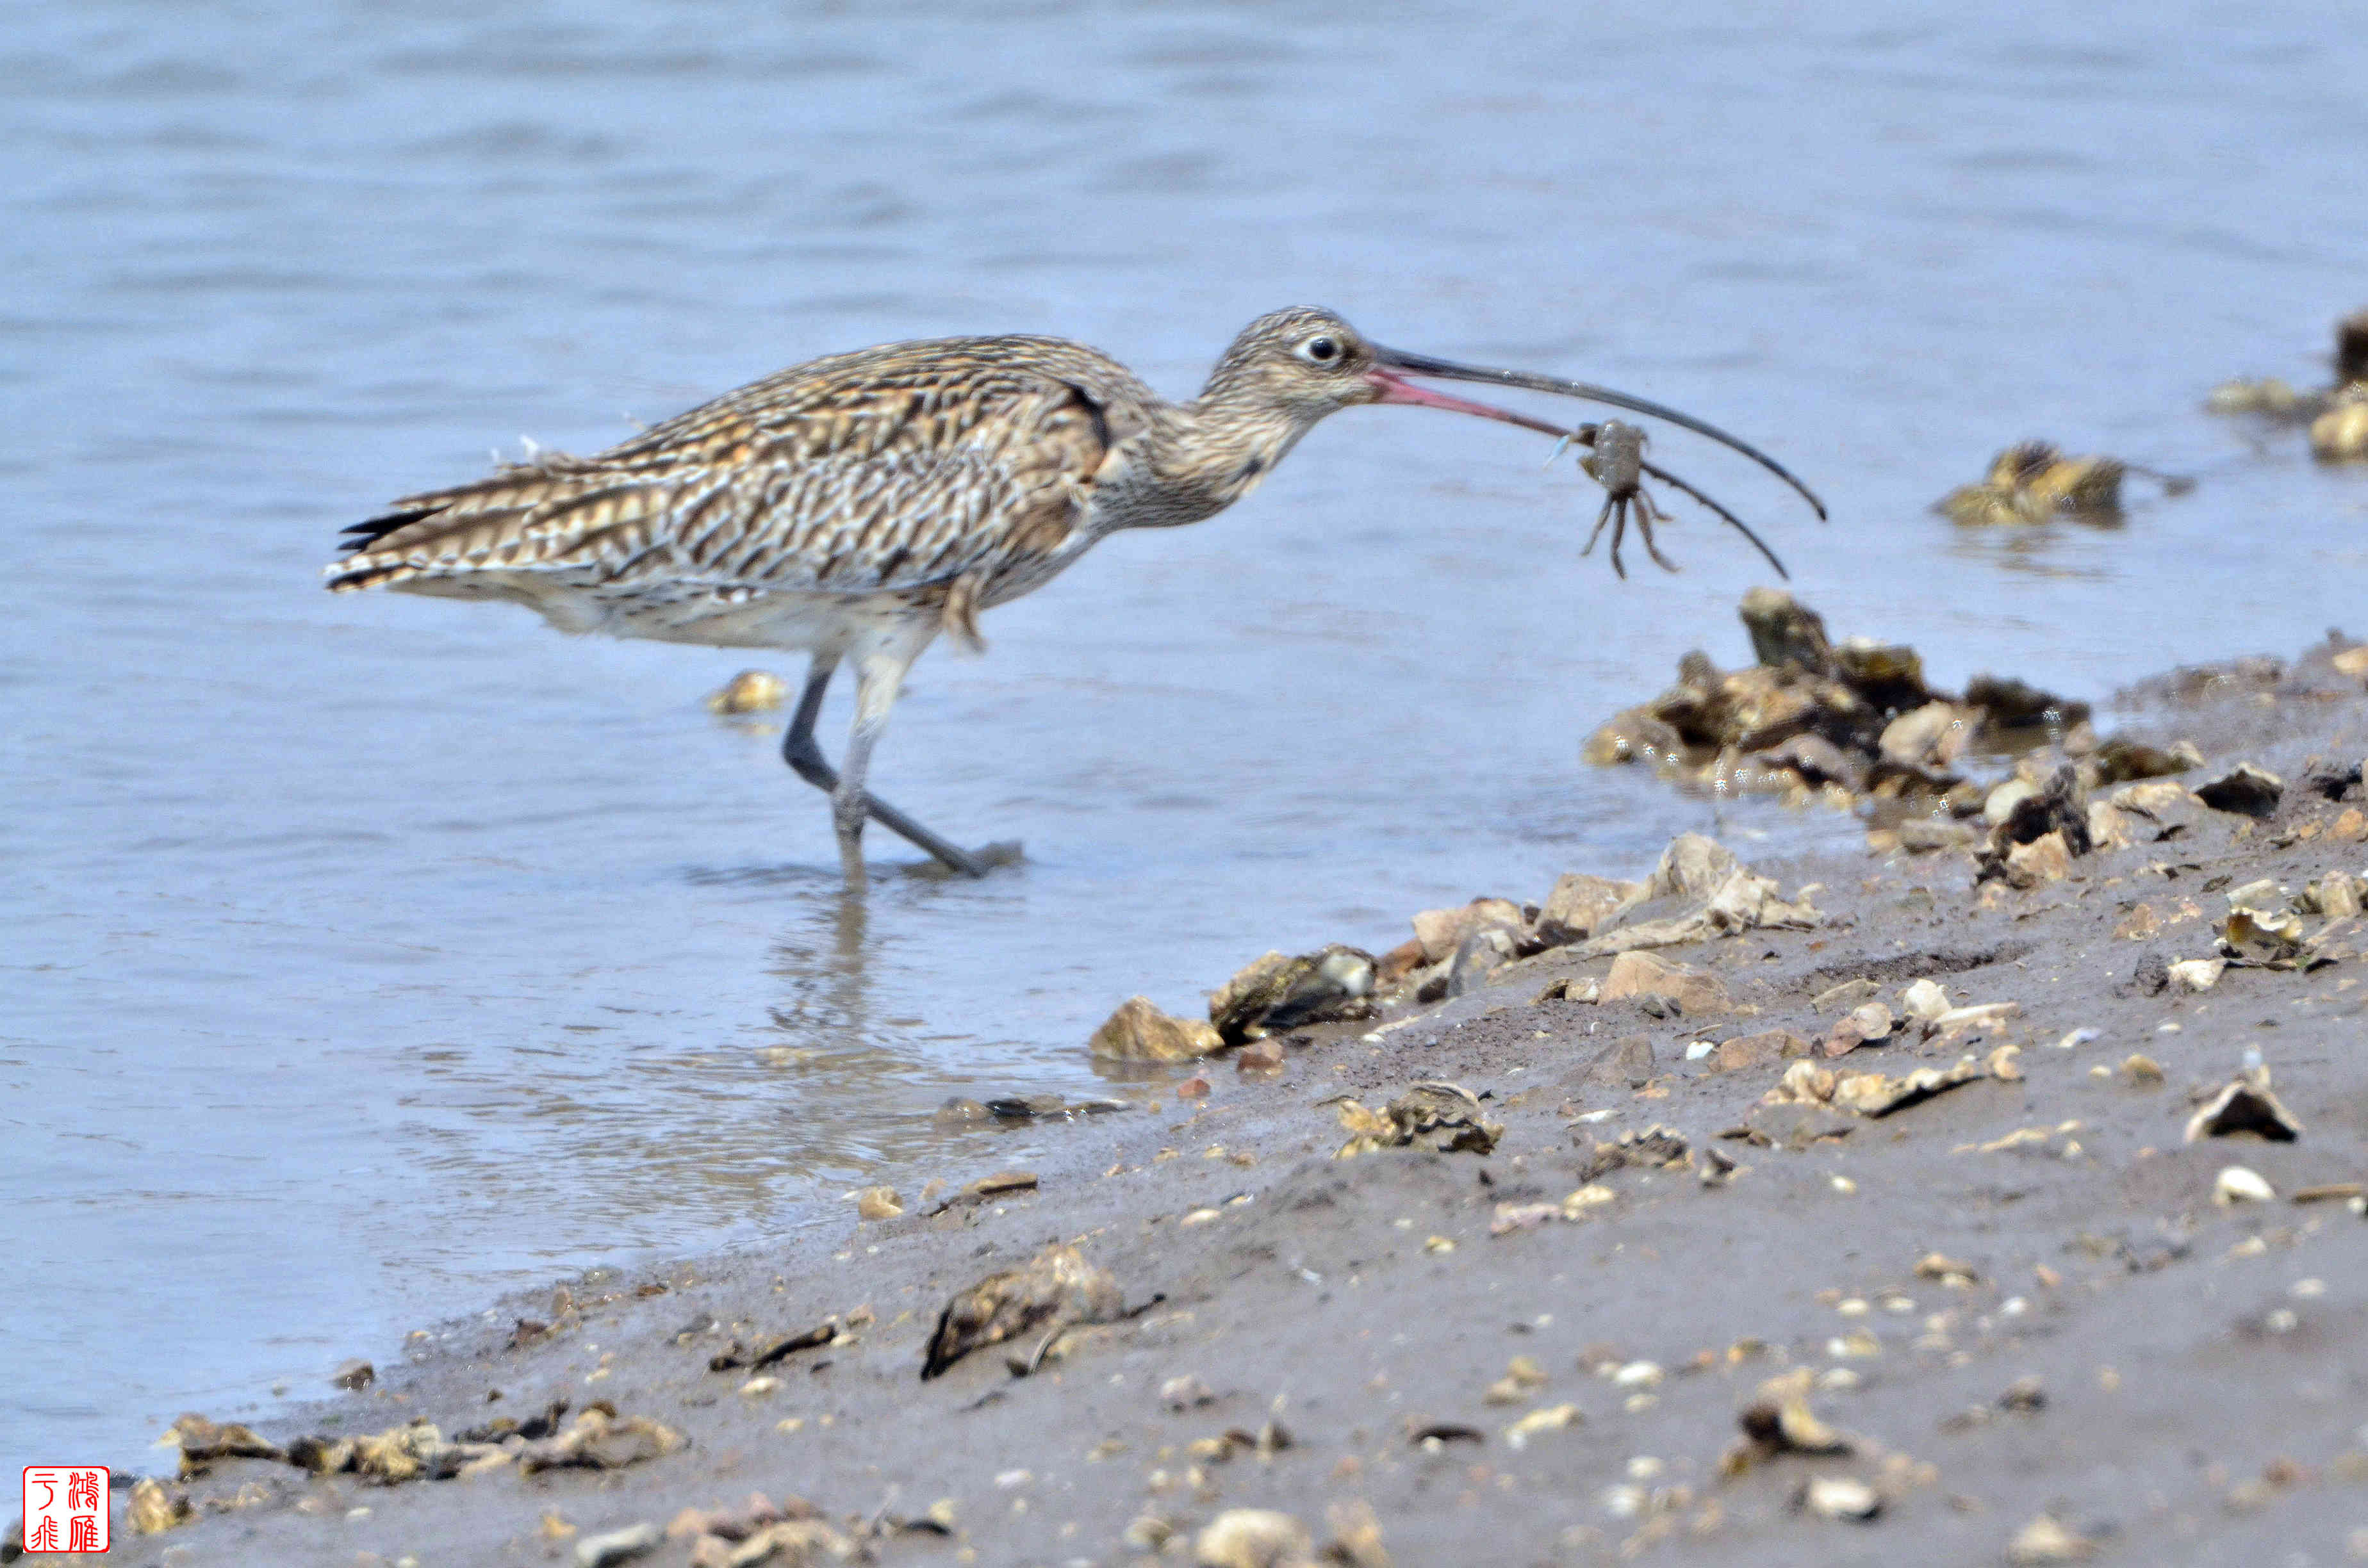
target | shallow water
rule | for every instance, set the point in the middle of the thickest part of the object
(363, 957)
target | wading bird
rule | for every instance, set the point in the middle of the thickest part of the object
(854, 507)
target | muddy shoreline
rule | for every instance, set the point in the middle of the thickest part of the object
(2012, 1300)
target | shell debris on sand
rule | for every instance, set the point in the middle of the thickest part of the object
(1275, 993)
(1055, 1290)
(2033, 482)
(2245, 1105)
(1445, 1118)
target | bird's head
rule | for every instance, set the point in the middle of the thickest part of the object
(1296, 365)
(1290, 367)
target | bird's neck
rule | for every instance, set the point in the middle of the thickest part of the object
(1202, 456)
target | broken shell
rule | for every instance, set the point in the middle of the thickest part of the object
(1277, 993)
(1141, 1032)
(1984, 1015)
(2235, 1183)
(1866, 1022)
(617, 1546)
(1252, 1537)
(2260, 937)
(2139, 1069)
(750, 691)
(2243, 788)
(1055, 1288)
(2246, 1105)
(1547, 1419)
(1438, 1116)
(2197, 974)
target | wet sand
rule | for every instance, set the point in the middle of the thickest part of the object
(2170, 1378)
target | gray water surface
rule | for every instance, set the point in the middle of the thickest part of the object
(361, 957)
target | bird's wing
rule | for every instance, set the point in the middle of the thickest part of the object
(891, 470)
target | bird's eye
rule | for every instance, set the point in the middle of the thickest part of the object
(1322, 351)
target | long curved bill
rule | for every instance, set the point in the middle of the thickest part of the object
(1392, 367)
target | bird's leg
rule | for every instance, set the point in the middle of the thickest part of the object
(804, 757)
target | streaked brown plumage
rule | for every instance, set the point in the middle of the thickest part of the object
(855, 507)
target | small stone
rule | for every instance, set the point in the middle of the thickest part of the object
(354, 1374)
(157, 1508)
(750, 691)
(1948, 1270)
(2000, 803)
(1846, 996)
(1924, 1000)
(2341, 434)
(2138, 923)
(2140, 1071)
(1141, 1032)
(1194, 1089)
(1841, 1497)
(1253, 1538)
(618, 1546)
(1626, 1062)
(878, 1203)
(2044, 859)
(1184, 1393)
(1578, 904)
(1761, 1050)
(2048, 1541)
(1259, 1056)
(1483, 953)
(2235, 1183)
(1442, 931)
(2197, 974)
(1640, 974)
(1930, 737)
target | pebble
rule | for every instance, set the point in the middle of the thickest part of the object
(750, 691)
(1841, 1497)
